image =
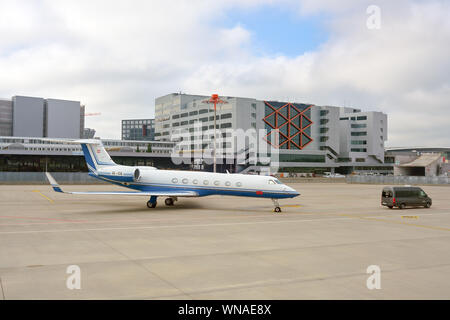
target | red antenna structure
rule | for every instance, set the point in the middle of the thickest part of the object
(215, 100)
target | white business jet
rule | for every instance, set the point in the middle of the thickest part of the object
(172, 184)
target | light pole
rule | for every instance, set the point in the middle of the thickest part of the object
(215, 99)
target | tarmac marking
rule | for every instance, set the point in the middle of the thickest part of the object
(43, 195)
(174, 226)
(396, 222)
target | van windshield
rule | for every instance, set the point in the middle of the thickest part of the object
(387, 194)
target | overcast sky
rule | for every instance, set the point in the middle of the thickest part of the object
(117, 56)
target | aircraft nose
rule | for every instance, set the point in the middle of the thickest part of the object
(293, 191)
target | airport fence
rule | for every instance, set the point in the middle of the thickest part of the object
(40, 178)
(403, 180)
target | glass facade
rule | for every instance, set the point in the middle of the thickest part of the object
(138, 129)
(293, 120)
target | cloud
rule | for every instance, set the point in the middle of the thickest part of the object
(117, 56)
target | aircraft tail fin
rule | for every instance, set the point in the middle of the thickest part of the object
(93, 150)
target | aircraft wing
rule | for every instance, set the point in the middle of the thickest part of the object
(57, 188)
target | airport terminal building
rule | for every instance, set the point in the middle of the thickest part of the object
(310, 138)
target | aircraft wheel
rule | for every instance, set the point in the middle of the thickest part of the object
(151, 204)
(169, 202)
(277, 209)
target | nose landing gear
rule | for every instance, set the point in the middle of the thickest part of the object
(277, 208)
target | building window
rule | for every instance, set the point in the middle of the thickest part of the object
(324, 112)
(361, 118)
(360, 160)
(362, 133)
(225, 125)
(358, 142)
(203, 111)
(301, 158)
(226, 116)
(193, 113)
(357, 125)
(175, 116)
(358, 150)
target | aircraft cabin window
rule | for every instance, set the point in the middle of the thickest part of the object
(174, 180)
(185, 181)
(216, 183)
(228, 183)
(195, 181)
(238, 184)
(205, 182)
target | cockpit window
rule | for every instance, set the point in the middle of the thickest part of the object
(272, 182)
(278, 181)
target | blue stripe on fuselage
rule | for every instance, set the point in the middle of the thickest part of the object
(201, 190)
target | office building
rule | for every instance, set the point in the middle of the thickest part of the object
(310, 138)
(138, 129)
(38, 117)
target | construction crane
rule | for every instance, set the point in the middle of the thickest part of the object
(89, 114)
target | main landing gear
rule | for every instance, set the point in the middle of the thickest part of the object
(152, 202)
(277, 208)
(170, 201)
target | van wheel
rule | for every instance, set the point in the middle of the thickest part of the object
(390, 207)
(428, 205)
(402, 206)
